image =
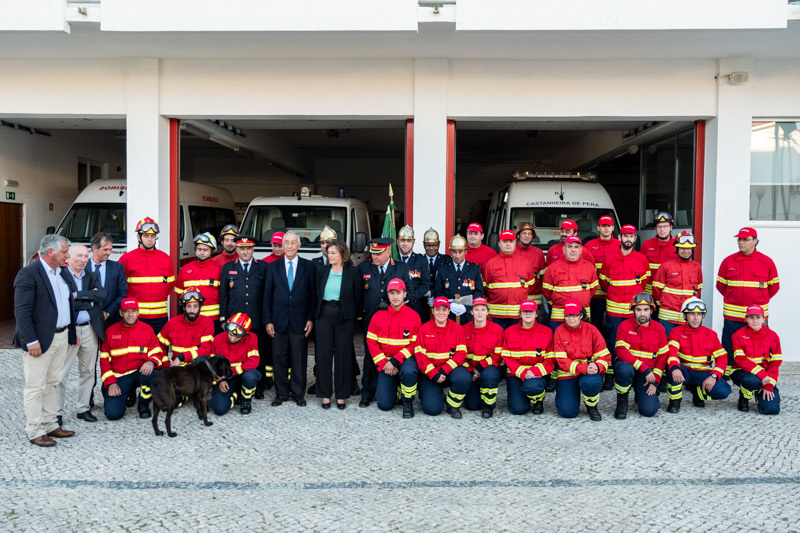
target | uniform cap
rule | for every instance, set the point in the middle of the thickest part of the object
(755, 310)
(605, 220)
(528, 305)
(190, 296)
(277, 237)
(694, 305)
(479, 301)
(431, 236)
(573, 238)
(507, 235)
(458, 242)
(475, 227)
(229, 229)
(128, 303)
(628, 228)
(243, 241)
(396, 284)
(685, 239)
(441, 300)
(327, 234)
(643, 299)
(569, 224)
(572, 307)
(239, 324)
(206, 239)
(406, 232)
(379, 245)
(746, 232)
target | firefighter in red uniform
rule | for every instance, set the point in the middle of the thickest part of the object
(129, 358)
(582, 357)
(528, 354)
(745, 278)
(150, 275)
(569, 278)
(227, 238)
(677, 280)
(696, 359)
(525, 248)
(484, 341)
(477, 252)
(239, 347)
(602, 249)
(441, 352)
(277, 247)
(390, 340)
(659, 249)
(202, 275)
(641, 348)
(508, 281)
(758, 354)
(189, 334)
(569, 228)
(623, 276)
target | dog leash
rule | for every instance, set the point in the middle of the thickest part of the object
(216, 377)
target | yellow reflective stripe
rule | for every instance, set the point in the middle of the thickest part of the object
(678, 292)
(151, 279)
(573, 288)
(179, 290)
(654, 266)
(722, 280)
(625, 282)
(201, 283)
(659, 284)
(618, 307)
(739, 311)
(117, 374)
(670, 315)
(163, 340)
(207, 338)
(148, 312)
(525, 353)
(622, 344)
(210, 310)
(503, 310)
(573, 367)
(640, 353)
(602, 353)
(509, 284)
(739, 283)
(557, 313)
(774, 280)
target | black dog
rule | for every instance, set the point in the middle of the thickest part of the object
(193, 380)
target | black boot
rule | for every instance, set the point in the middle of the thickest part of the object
(268, 383)
(608, 381)
(488, 411)
(594, 413)
(551, 385)
(697, 401)
(662, 387)
(259, 394)
(621, 412)
(674, 406)
(743, 403)
(130, 401)
(538, 407)
(144, 410)
(246, 407)
(408, 408)
(454, 412)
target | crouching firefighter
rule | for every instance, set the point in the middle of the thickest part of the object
(239, 347)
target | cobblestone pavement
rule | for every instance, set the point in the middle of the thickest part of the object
(306, 469)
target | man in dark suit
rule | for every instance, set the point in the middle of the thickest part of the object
(45, 328)
(112, 276)
(90, 326)
(290, 302)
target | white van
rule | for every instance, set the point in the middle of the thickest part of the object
(307, 215)
(101, 207)
(546, 199)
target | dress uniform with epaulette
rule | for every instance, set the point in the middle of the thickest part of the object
(456, 281)
(419, 275)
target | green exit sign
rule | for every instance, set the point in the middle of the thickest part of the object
(11, 195)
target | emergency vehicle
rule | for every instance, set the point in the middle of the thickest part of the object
(307, 215)
(547, 199)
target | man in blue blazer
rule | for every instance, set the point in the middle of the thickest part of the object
(45, 328)
(290, 301)
(112, 276)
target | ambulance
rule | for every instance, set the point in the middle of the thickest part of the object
(306, 215)
(101, 207)
(547, 199)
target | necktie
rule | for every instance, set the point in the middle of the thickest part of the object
(383, 270)
(290, 275)
(458, 270)
(431, 262)
(246, 268)
(97, 268)
(405, 259)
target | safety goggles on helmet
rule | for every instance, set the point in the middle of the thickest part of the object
(229, 229)
(236, 329)
(147, 225)
(191, 296)
(694, 305)
(663, 216)
(643, 299)
(685, 240)
(206, 239)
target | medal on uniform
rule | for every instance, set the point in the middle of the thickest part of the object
(230, 284)
(447, 284)
(366, 286)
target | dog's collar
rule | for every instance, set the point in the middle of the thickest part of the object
(216, 377)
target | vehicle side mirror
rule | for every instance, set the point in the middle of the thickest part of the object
(50, 230)
(360, 244)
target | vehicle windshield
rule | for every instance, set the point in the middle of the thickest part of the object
(547, 221)
(85, 219)
(307, 221)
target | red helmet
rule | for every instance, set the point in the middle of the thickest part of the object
(147, 225)
(239, 324)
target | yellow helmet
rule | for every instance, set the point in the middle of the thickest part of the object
(685, 239)
(406, 232)
(458, 242)
(327, 234)
(431, 236)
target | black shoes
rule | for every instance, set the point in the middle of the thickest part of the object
(312, 390)
(488, 411)
(551, 385)
(301, 402)
(365, 403)
(674, 406)
(743, 403)
(454, 412)
(247, 406)
(538, 407)
(259, 395)
(662, 387)
(341, 406)
(594, 413)
(144, 410)
(608, 381)
(697, 401)
(408, 408)
(326, 405)
(87, 416)
(621, 412)
(276, 402)
(267, 383)
(130, 401)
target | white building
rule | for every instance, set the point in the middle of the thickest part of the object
(442, 99)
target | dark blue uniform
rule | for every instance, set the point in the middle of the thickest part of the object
(420, 277)
(448, 284)
(434, 268)
(374, 293)
(319, 262)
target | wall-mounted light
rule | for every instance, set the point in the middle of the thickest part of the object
(736, 78)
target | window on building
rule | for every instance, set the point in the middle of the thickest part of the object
(89, 171)
(775, 170)
(668, 179)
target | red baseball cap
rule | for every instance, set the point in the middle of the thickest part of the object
(396, 284)
(441, 300)
(479, 301)
(507, 235)
(746, 232)
(605, 220)
(572, 307)
(475, 227)
(569, 224)
(277, 237)
(754, 310)
(128, 303)
(528, 305)
(572, 238)
(628, 228)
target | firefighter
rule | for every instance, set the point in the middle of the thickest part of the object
(509, 281)
(418, 272)
(459, 280)
(624, 275)
(525, 248)
(660, 248)
(129, 358)
(568, 229)
(582, 357)
(571, 277)
(758, 357)
(441, 353)
(190, 333)
(641, 348)
(150, 275)
(602, 249)
(745, 278)
(202, 275)
(241, 290)
(390, 339)
(477, 252)
(676, 280)
(528, 354)
(276, 243)
(325, 237)
(375, 275)
(239, 347)
(435, 260)
(227, 238)
(696, 359)
(484, 341)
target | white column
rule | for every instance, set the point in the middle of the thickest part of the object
(726, 196)
(147, 151)
(430, 147)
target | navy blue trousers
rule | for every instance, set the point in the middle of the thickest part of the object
(243, 385)
(751, 388)
(522, 393)
(625, 377)
(484, 389)
(431, 394)
(406, 379)
(569, 391)
(695, 378)
(114, 406)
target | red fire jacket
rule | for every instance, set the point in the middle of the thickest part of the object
(676, 281)
(528, 349)
(601, 251)
(758, 352)
(192, 339)
(150, 280)
(243, 355)
(202, 276)
(391, 336)
(225, 257)
(536, 257)
(645, 347)
(564, 280)
(698, 349)
(745, 280)
(507, 280)
(556, 252)
(440, 348)
(483, 345)
(574, 349)
(126, 349)
(657, 252)
(272, 257)
(623, 277)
